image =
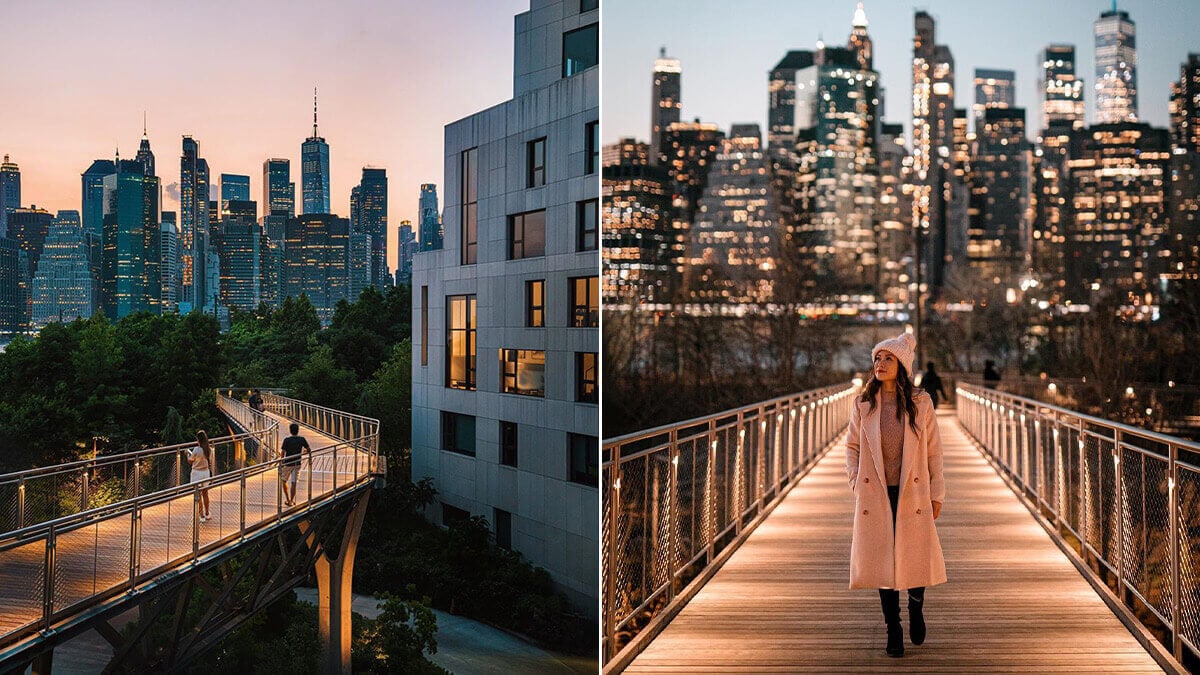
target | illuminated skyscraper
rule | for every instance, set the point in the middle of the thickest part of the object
(93, 195)
(430, 218)
(1116, 68)
(690, 151)
(893, 216)
(234, 187)
(130, 263)
(193, 226)
(370, 218)
(998, 236)
(168, 243)
(860, 42)
(29, 227)
(10, 191)
(144, 156)
(665, 104)
(244, 256)
(315, 261)
(1062, 91)
(14, 287)
(637, 234)
(314, 169)
(993, 89)
(1062, 113)
(1184, 201)
(279, 192)
(62, 287)
(407, 246)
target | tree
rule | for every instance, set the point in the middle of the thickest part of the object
(388, 398)
(321, 381)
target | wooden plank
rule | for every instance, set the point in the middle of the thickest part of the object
(1013, 601)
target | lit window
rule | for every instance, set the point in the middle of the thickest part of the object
(581, 49)
(585, 377)
(527, 235)
(585, 302)
(535, 303)
(460, 342)
(523, 371)
(458, 433)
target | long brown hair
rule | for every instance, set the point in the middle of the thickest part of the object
(905, 398)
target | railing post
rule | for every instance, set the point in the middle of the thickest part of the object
(335, 483)
(48, 581)
(739, 473)
(1119, 483)
(242, 505)
(135, 543)
(760, 451)
(137, 478)
(1172, 493)
(195, 523)
(84, 491)
(672, 483)
(610, 553)
(21, 502)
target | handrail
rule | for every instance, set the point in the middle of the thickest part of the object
(70, 559)
(679, 498)
(1120, 496)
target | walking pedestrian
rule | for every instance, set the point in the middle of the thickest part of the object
(200, 459)
(289, 468)
(256, 401)
(932, 384)
(990, 375)
(894, 463)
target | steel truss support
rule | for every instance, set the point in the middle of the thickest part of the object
(335, 573)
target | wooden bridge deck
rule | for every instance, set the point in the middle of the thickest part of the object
(1014, 602)
(94, 559)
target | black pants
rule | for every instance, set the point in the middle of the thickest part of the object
(890, 598)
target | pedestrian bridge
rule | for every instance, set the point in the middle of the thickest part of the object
(84, 542)
(1070, 543)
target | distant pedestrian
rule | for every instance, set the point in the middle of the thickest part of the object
(256, 401)
(990, 375)
(200, 459)
(289, 468)
(932, 384)
(894, 460)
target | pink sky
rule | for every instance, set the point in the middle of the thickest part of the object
(238, 77)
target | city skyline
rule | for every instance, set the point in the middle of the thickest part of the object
(66, 117)
(725, 91)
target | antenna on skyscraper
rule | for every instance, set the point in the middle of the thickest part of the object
(314, 112)
(143, 124)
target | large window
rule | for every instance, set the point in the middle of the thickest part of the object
(585, 302)
(458, 433)
(585, 377)
(424, 325)
(588, 5)
(592, 149)
(503, 528)
(536, 175)
(470, 205)
(527, 235)
(460, 342)
(523, 371)
(535, 303)
(508, 443)
(584, 460)
(581, 49)
(587, 213)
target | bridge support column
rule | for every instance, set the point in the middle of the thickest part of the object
(334, 576)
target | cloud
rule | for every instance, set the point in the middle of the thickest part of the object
(173, 191)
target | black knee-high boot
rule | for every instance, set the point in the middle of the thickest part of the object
(916, 616)
(890, 600)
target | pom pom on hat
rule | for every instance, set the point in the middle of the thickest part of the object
(903, 347)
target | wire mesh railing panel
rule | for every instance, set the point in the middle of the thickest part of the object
(1189, 554)
(23, 596)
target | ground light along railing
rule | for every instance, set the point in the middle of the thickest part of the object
(678, 499)
(1125, 499)
(35, 496)
(76, 562)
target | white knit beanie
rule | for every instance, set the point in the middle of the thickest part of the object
(903, 347)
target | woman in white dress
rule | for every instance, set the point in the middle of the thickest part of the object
(199, 459)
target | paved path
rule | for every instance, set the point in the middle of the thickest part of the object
(1014, 602)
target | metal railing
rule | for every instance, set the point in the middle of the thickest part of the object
(80, 560)
(1126, 499)
(676, 497)
(35, 496)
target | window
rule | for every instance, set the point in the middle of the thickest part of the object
(453, 514)
(527, 235)
(535, 303)
(586, 215)
(508, 443)
(585, 377)
(585, 455)
(470, 205)
(585, 302)
(503, 529)
(424, 325)
(592, 151)
(588, 5)
(460, 342)
(536, 163)
(523, 371)
(458, 433)
(581, 49)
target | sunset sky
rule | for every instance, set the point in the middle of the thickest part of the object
(238, 77)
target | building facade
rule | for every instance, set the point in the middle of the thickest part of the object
(429, 218)
(993, 89)
(1116, 68)
(370, 218)
(193, 226)
(505, 387)
(665, 103)
(314, 169)
(315, 259)
(130, 261)
(62, 288)
(637, 234)
(10, 191)
(168, 246)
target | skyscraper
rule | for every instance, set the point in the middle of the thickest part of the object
(169, 255)
(371, 219)
(244, 256)
(1184, 201)
(358, 263)
(1062, 104)
(130, 262)
(999, 228)
(92, 199)
(315, 258)
(1062, 114)
(993, 89)
(279, 192)
(10, 191)
(665, 103)
(1116, 68)
(690, 150)
(193, 224)
(860, 42)
(506, 337)
(314, 169)
(62, 287)
(429, 218)
(637, 235)
(29, 227)
(14, 287)
(234, 187)
(144, 156)
(407, 246)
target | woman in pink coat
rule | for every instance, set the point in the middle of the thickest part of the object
(894, 463)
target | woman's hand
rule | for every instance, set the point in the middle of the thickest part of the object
(937, 510)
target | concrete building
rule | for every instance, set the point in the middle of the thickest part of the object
(62, 287)
(505, 387)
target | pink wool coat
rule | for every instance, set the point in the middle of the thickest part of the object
(911, 556)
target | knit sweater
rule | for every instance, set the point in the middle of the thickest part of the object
(891, 438)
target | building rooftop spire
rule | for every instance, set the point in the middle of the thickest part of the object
(314, 112)
(860, 16)
(144, 124)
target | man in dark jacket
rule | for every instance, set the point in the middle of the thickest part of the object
(932, 384)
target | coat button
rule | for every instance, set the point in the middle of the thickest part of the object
(866, 480)
(917, 479)
(918, 511)
(864, 512)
